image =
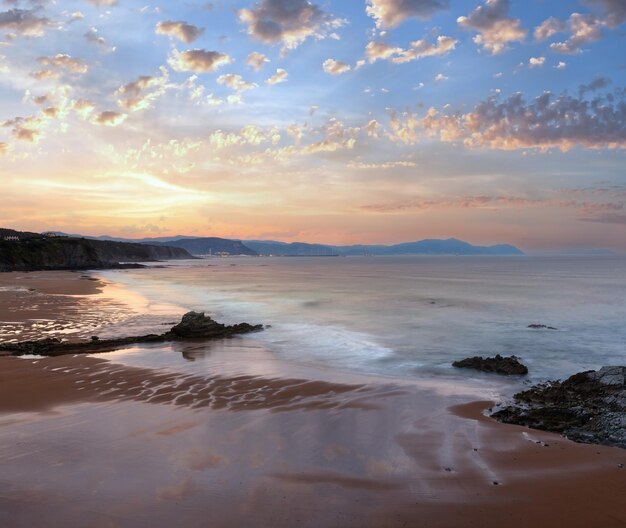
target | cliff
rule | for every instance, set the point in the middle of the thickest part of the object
(58, 253)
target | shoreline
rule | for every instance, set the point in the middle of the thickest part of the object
(286, 449)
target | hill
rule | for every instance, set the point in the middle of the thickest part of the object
(450, 246)
(21, 251)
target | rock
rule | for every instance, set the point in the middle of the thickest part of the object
(196, 324)
(536, 326)
(587, 407)
(193, 325)
(610, 376)
(40, 347)
(499, 364)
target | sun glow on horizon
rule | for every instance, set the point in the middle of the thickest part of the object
(362, 122)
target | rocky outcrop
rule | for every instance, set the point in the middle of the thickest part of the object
(587, 407)
(198, 325)
(509, 366)
(62, 253)
(193, 326)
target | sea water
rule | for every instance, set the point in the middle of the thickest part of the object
(407, 317)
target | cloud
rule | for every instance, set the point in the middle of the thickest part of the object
(584, 29)
(93, 37)
(198, 60)
(142, 92)
(23, 22)
(536, 62)
(4, 148)
(256, 60)
(390, 13)
(63, 61)
(495, 28)
(419, 49)
(441, 77)
(549, 27)
(333, 67)
(380, 50)
(103, 3)
(547, 121)
(235, 82)
(609, 218)
(289, 22)
(109, 118)
(27, 129)
(614, 11)
(279, 77)
(179, 29)
(83, 107)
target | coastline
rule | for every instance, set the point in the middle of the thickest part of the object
(274, 449)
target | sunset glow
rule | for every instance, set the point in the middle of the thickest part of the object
(375, 121)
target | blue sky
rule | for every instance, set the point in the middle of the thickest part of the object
(338, 122)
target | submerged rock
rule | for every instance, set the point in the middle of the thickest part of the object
(536, 326)
(587, 407)
(500, 365)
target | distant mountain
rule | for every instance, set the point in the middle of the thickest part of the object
(450, 246)
(30, 251)
(294, 249)
(210, 246)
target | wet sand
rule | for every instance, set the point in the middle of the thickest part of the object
(93, 442)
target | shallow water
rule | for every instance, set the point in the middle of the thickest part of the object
(406, 316)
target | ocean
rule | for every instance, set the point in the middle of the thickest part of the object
(404, 317)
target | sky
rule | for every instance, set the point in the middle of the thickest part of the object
(360, 121)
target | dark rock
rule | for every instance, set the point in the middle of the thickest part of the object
(499, 364)
(536, 326)
(587, 407)
(95, 338)
(196, 324)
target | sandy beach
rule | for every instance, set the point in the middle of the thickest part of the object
(98, 442)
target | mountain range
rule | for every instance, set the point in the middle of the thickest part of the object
(215, 246)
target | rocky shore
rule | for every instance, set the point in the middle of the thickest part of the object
(194, 325)
(588, 407)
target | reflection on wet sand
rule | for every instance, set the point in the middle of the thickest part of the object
(99, 443)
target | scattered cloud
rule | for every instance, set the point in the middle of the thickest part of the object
(93, 37)
(333, 67)
(103, 3)
(279, 77)
(390, 13)
(548, 121)
(495, 28)
(179, 29)
(63, 61)
(536, 62)
(256, 60)
(584, 29)
(198, 60)
(109, 118)
(289, 22)
(418, 49)
(24, 22)
(142, 92)
(235, 82)
(549, 27)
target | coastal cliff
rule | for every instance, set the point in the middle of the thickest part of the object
(30, 252)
